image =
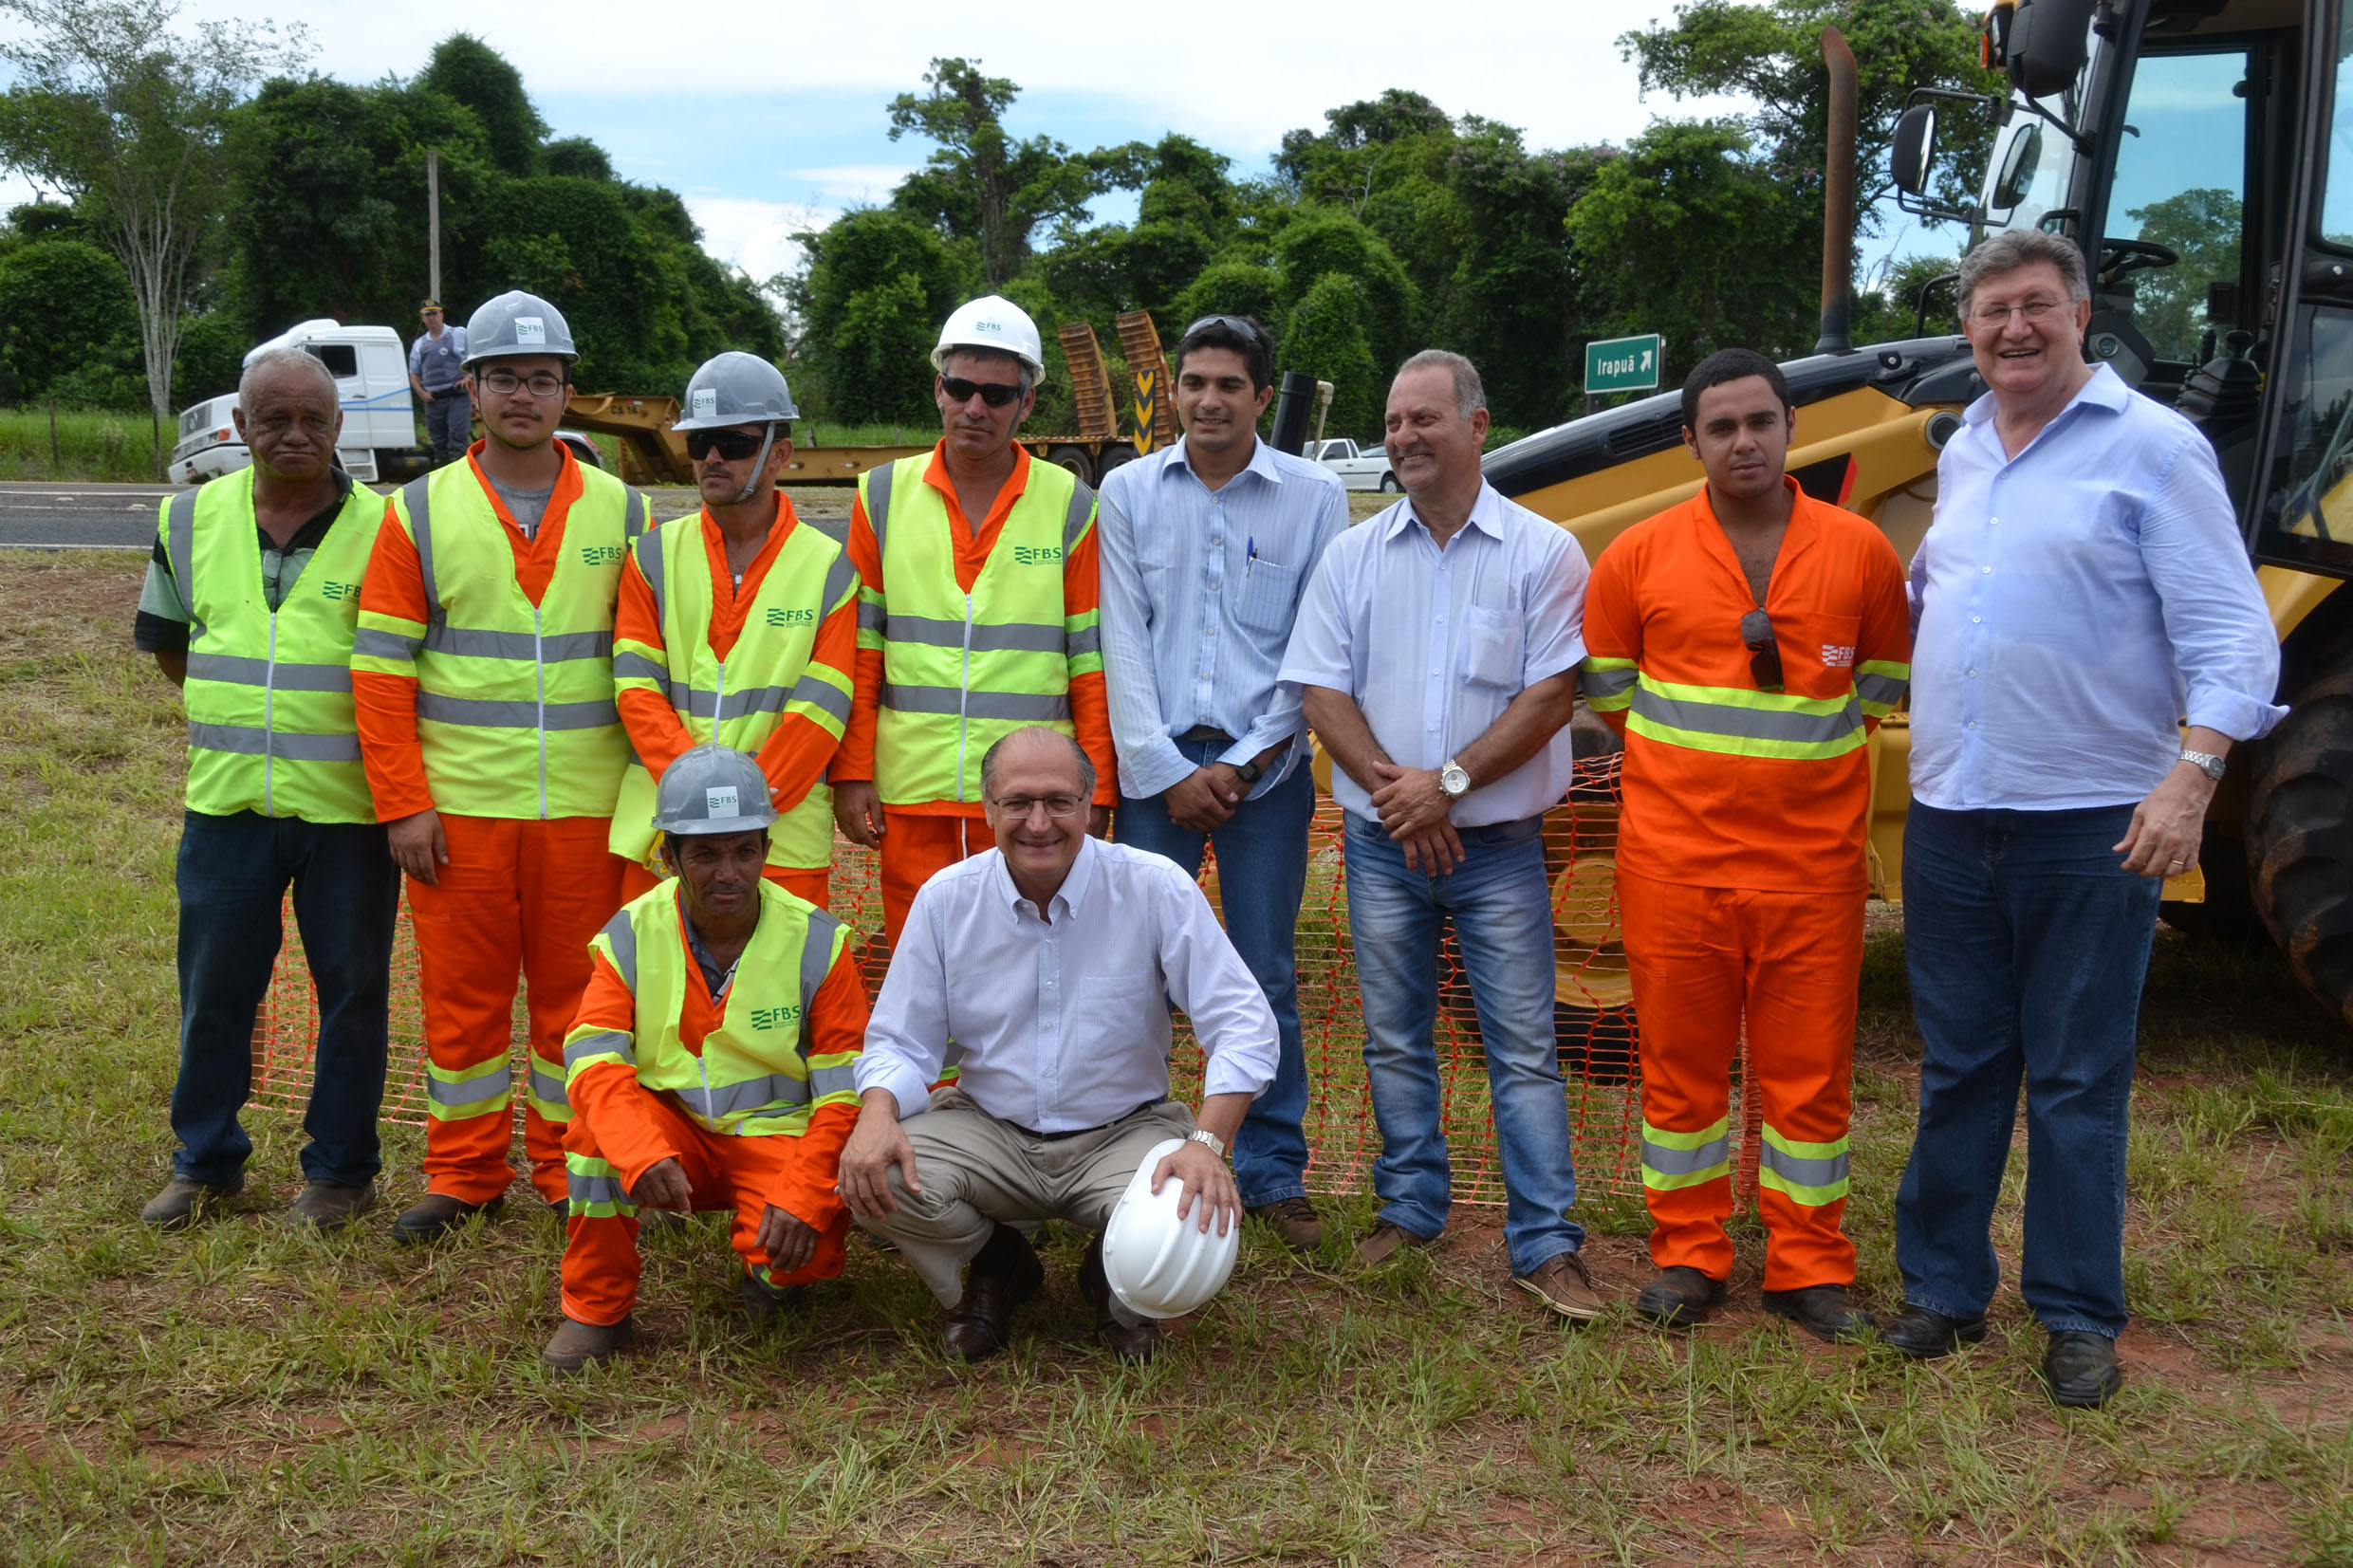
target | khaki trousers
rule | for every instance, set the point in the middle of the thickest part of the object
(977, 1171)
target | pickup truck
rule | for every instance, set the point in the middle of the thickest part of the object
(1357, 470)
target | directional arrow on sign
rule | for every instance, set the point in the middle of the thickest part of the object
(1646, 358)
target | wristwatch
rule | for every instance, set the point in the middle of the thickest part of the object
(1250, 772)
(1452, 782)
(2206, 762)
(1203, 1135)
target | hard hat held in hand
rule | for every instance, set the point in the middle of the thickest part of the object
(1155, 1264)
(712, 789)
(992, 322)
(517, 323)
(735, 389)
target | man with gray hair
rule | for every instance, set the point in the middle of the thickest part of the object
(1436, 654)
(250, 606)
(2089, 642)
(1050, 960)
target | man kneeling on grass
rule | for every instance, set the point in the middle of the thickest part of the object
(1050, 961)
(711, 1064)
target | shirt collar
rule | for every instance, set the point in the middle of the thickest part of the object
(1071, 895)
(2105, 389)
(1486, 515)
(1261, 461)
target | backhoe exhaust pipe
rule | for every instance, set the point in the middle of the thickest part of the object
(1838, 199)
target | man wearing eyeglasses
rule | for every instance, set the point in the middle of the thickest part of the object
(976, 613)
(737, 624)
(1746, 643)
(483, 676)
(1208, 546)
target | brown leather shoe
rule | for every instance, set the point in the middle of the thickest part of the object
(182, 1203)
(1383, 1244)
(1564, 1283)
(437, 1214)
(1296, 1223)
(329, 1206)
(576, 1344)
(1128, 1341)
(1005, 1273)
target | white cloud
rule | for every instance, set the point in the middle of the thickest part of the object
(755, 236)
(853, 182)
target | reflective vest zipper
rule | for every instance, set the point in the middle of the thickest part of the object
(964, 699)
(270, 734)
(539, 668)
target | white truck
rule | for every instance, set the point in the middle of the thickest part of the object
(370, 367)
(1357, 470)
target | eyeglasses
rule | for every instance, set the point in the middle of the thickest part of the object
(731, 445)
(2035, 312)
(1020, 806)
(994, 394)
(1235, 322)
(541, 384)
(1756, 635)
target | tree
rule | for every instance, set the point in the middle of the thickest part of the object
(1326, 337)
(1318, 244)
(67, 326)
(979, 184)
(878, 284)
(470, 72)
(2202, 226)
(127, 117)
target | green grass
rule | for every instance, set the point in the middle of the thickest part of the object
(242, 1395)
(92, 445)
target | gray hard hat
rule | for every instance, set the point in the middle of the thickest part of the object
(735, 389)
(712, 789)
(516, 322)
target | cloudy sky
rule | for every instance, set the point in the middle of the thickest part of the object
(771, 119)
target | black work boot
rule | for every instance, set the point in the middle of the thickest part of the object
(1826, 1312)
(764, 1301)
(1001, 1275)
(576, 1344)
(1680, 1298)
(1924, 1335)
(1128, 1341)
(2080, 1369)
(324, 1206)
(437, 1214)
(183, 1203)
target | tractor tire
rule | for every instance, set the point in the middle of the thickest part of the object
(1074, 458)
(2300, 837)
(1117, 455)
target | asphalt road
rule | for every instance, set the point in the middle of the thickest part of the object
(80, 517)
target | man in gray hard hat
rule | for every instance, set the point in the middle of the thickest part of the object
(739, 624)
(711, 1066)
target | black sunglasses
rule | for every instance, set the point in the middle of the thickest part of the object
(1756, 635)
(733, 445)
(994, 394)
(1235, 322)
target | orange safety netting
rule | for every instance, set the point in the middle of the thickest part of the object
(1593, 1014)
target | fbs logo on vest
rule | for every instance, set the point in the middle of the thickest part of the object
(778, 615)
(339, 592)
(775, 1018)
(1037, 555)
(603, 555)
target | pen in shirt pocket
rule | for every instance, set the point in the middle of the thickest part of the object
(1250, 557)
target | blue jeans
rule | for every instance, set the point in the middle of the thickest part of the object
(232, 877)
(1502, 912)
(2027, 942)
(1262, 874)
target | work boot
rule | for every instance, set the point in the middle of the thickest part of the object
(1924, 1335)
(2080, 1369)
(1385, 1242)
(1005, 1273)
(437, 1214)
(1826, 1312)
(1680, 1298)
(1564, 1283)
(182, 1203)
(324, 1206)
(576, 1344)
(1295, 1223)
(764, 1301)
(1128, 1341)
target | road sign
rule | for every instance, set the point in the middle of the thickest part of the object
(1625, 365)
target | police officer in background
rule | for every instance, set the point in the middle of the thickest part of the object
(437, 375)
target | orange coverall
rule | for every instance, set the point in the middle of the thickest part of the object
(1741, 870)
(920, 839)
(519, 899)
(617, 1119)
(796, 753)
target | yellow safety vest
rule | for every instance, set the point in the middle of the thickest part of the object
(961, 671)
(740, 700)
(514, 700)
(270, 717)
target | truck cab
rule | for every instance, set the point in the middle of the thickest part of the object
(370, 367)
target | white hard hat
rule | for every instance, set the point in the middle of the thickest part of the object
(514, 323)
(1155, 1264)
(735, 389)
(712, 789)
(992, 322)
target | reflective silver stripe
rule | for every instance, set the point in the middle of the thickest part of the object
(879, 500)
(649, 566)
(1799, 1172)
(1607, 683)
(368, 640)
(978, 704)
(181, 544)
(1021, 637)
(1685, 1162)
(471, 1091)
(604, 1042)
(236, 669)
(252, 741)
(1762, 724)
(469, 642)
(1086, 640)
(1879, 689)
(623, 936)
(870, 617)
(487, 713)
(586, 1189)
(633, 520)
(419, 500)
(1082, 506)
(638, 665)
(751, 1093)
(703, 703)
(822, 696)
(816, 962)
(834, 1080)
(838, 580)
(546, 1087)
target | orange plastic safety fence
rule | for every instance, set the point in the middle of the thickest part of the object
(1593, 1013)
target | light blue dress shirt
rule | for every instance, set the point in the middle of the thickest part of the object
(1433, 644)
(1199, 589)
(2072, 605)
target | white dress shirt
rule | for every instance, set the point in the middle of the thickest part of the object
(1064, 1023)
(1433, 644)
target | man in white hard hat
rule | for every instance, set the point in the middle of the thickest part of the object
(483, 674)
(1051, 960)
(710, 1066)
(737, 624)
(976, 613)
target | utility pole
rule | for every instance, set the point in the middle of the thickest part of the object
(432, 222)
